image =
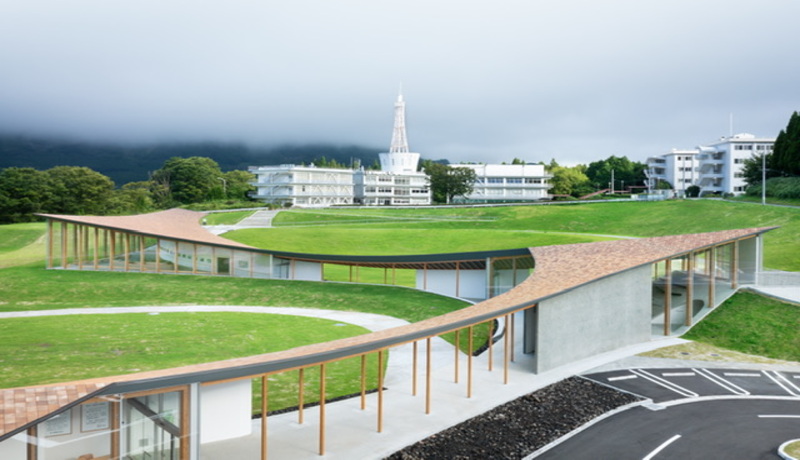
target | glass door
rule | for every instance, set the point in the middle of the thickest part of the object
(151, 426)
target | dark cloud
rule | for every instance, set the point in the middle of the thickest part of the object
(575, 80)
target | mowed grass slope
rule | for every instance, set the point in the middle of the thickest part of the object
(430, 230)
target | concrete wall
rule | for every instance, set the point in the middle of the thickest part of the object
(602, 316)
(471, 283)
(225, 410)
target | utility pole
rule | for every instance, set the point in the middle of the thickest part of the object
(764, 177)
(612, 181)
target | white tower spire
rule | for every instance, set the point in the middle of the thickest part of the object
(399, 159)
(399, 139)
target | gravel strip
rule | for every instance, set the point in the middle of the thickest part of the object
(520, 427)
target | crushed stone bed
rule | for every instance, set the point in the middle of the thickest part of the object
(518, 428)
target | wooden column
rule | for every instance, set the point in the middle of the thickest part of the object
(49, 246)
(735, 265)
(425, 277)
(414, 369)
(667, 296)
(428, 375)
(112, 248)
(322, 409)
(506, 340)
(689, 289)
(78, 230)
(63, 245)
(142, 261)
(711, 278)
(127, 247)
(458, 279)
(194, 258)
(115, 431)
(158, 255)
(363, 382)
(469, 363)
(491, 344)
(455, 359)
(76, 247)
(33, 443)
(380, 391)
(300, 395)
(264, 383)
(96, 255)
(177, 258)
(513, 336)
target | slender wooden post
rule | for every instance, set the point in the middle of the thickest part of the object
(194, 258)
(428, 376)
(425, 277)
(414, 370)
(96, 255)
(33, 443)
(63, 245)
(506, 340)
(264, 383)
(455, 358)
(176, 259)
(689, 289)
(380, 391)
(115, 431)
(491, 343)
(142, 261)
(711, 278)
(513, 337)
(469, 364)
(49, 243)
(127, 243)
(363, 382)
(112, 249)
(735, 265)
(76, 247)
(158, 255)
(79, 254)
(322, 409)
(300, 394)
(458, 279)
(667, 297)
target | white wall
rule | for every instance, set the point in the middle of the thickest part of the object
(471, 283)
(225, 410)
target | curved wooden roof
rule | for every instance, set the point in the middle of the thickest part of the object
(558, 269)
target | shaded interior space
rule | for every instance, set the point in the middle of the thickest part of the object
(687, 287)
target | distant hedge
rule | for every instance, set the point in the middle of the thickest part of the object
(778, 187)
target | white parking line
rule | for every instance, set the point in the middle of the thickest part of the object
(779, 416)
(678, 374)
(662, 447)
(733, 388)
(783, 382)
(621, 377)
(741, 374)
(665, 383)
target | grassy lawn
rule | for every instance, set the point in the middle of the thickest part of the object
(63, 348)
(782, 248)
(752, 324)
(21, 244)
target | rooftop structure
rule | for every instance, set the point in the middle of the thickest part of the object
(578, 301)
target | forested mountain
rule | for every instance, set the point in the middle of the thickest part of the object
(125, 164)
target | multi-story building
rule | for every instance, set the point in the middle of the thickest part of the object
(721, 163)
(715, 168)
(507, 183)
(679, 168)
(303, 185)
(397, 183)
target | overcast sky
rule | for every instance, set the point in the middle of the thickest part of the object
(574, 80)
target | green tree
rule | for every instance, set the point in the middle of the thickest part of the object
(626, 172)
(517, 161)
(188, 180)
(786, 152)
(568, 180)
(134, 198)
(23, 192)
(238, 184)
(448, 182)
(78, 190)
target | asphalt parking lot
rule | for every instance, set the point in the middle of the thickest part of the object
(695, 413)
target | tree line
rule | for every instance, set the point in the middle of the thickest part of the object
(782, 165)
(25, 191)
